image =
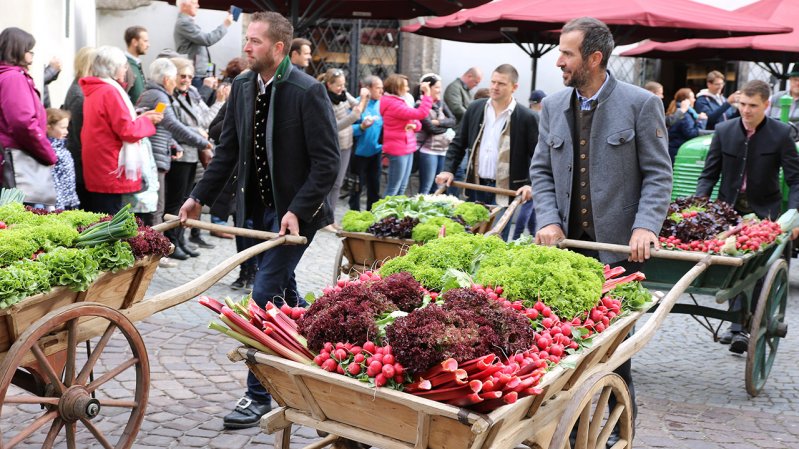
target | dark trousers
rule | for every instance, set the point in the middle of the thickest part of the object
(146, 218)
(243, 243)
(179, 180)
(459, 175)
(368, 170)
(525, 219)
(274, 280)
(625, 370)
(105, 203)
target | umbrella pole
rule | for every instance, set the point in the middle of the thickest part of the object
(535, 71)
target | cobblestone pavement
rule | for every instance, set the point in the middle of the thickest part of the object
(690, 390)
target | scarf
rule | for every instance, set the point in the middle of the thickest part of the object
(337, 98)
(131, 159)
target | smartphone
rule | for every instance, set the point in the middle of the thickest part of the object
(160, 107)
(236, 12)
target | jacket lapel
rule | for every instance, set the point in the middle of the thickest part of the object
(281, 75)
(246, 104)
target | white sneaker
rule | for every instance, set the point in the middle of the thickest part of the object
(166, 262)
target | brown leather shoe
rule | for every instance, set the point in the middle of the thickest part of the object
(222, 235)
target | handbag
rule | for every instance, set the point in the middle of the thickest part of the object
(24, 172)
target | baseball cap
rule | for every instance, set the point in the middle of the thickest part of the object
(794, 70)
(536, 96)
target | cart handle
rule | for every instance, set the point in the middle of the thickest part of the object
(197, 286)
(172, 221)
(688, 256)
(506, 217)
(643, 335)
(470, 186)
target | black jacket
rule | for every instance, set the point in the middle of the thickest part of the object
(301, 146)
(523, 139)
(769, 149)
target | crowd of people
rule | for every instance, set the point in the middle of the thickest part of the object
(273, 146)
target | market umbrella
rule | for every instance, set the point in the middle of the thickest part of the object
(305, 13)
(766, 50)
(533, 24)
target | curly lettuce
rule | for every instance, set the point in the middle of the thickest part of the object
(22, 279)
(112, 256)
(564, 280)
(71, 267)
(355, 221)
(472, 213)
(430, 229)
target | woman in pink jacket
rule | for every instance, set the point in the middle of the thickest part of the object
(400, 123)
(23, 121)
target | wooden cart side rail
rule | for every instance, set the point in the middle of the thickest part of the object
(371, 237)
(690, 256)
(642, 336)
(182, 293)
(173, 297)
(557, 378)
(478, 421)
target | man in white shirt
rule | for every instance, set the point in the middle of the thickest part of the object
(500, 138)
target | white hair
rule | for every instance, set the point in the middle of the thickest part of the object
(107, 61)
(161, 68)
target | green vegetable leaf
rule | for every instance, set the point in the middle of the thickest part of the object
(455, 279)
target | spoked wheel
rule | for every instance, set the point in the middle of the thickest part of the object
(767, 328)
(588, 421)
(338, 267)
(69, 392)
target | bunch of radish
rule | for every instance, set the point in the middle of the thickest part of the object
(343, 281)
(368, 363)
(482, 384)
(751, 235)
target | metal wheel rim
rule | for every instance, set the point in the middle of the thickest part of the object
(596, 432)
(763, 342)
(65, 316)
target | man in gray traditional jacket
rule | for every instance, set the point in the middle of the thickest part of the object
(601, 170)
(190, 39)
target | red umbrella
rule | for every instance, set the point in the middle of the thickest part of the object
(534, 25)
(306, 12)
(630, 20)
(781, 48)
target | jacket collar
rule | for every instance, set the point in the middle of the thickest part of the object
(604, 93)
(283, 70)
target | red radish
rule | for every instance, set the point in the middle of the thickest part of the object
(330, 365)
(354, 369)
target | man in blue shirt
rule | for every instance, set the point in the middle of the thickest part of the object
(365, 161)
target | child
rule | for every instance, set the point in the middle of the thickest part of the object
(64, 168)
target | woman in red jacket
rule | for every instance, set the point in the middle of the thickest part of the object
(111, 132)
(23, 121)
(400, 123)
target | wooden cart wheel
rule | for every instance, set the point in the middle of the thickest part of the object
(588, 411)
(338, 269)
(767, 327)
(72, 396)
